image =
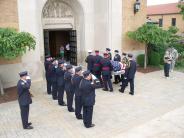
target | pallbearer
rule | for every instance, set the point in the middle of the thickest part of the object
(78, 99)
(106, 72)
(24, 98)
(97, 66)
(87, 88)
(89, 61)
(60, 71)
(68, 87)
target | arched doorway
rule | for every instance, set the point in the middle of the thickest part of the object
(63, 26)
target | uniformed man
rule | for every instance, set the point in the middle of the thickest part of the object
(130, 74)
(69, 88)
(97, 66)
(60, 71)
(48, 64)
(117, 57)
(88, 98)
(108, 51)
(54, 80)
(76, 79)
(89, 61)
(106, 72)
(24, 98)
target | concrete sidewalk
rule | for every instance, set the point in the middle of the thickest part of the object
(156, 111)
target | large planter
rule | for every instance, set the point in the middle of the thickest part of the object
(13, 61)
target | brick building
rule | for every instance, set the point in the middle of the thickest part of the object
(166, 15)
(86, 24)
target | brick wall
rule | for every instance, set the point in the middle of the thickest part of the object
(8, 13)
(167, 19)
(131, 22)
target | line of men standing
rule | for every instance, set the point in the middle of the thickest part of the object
(61, 78)
(102, 68)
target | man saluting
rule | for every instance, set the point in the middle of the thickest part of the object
(24, 98)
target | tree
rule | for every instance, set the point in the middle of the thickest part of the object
(181, 7)
(151, 35)
(14, 44)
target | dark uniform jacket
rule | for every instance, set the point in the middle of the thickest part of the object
(117, 57)
(89, 61)
(24, 96)
(87, 92)
(76, 82)
(106, 66)
(48, 65)
(96, 61)
(68, 83)
(53, 75)
(132, 69)
(60, 76)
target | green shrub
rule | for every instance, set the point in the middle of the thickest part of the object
(154, 59)
(140, 60)
(180, 63)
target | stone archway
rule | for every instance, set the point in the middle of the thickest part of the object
(65, 15)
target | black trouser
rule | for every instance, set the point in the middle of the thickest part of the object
(125, 83)
(107, 82)
(49, 85)
(117, 78)
(98, 75)
(54, 90)
(78, 106)
(166, 69)
(69, 96)
(87, 115)
(24, 111)
(60, 95)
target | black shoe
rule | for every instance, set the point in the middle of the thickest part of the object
(49, 93)
(29, 124)
(28, 127)
(54, 98)
(105, 89)
(131, 93)
(111, 90)
(79, 117)
(92, 125)
(120, 90)
(63, 104)
(71, 110)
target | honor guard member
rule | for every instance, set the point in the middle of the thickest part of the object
(76, 79)
(89, 61)
(24, 98)
(130, 74)
(48, 64)
(117, 57)
(88, 98)
(108, 51)
(106, 72)
(68, 87)
(97, 66)
(54, 80)
(60, 71)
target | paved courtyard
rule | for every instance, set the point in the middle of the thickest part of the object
(156, 111)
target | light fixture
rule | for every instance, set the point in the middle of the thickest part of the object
(137, 6)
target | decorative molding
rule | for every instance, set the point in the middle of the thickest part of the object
(57, 9)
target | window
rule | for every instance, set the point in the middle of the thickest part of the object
(160, 22)
(173, 22)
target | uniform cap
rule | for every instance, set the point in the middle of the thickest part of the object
(124, 54)
(77, 69)
(116, 51)
(60, 62)
(47, 56)
(86, 73)
(130, 55)
(89, 51)
(69, 67)
(24, 73)
(108, 49)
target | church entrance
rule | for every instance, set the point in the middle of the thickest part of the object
(61, 44)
